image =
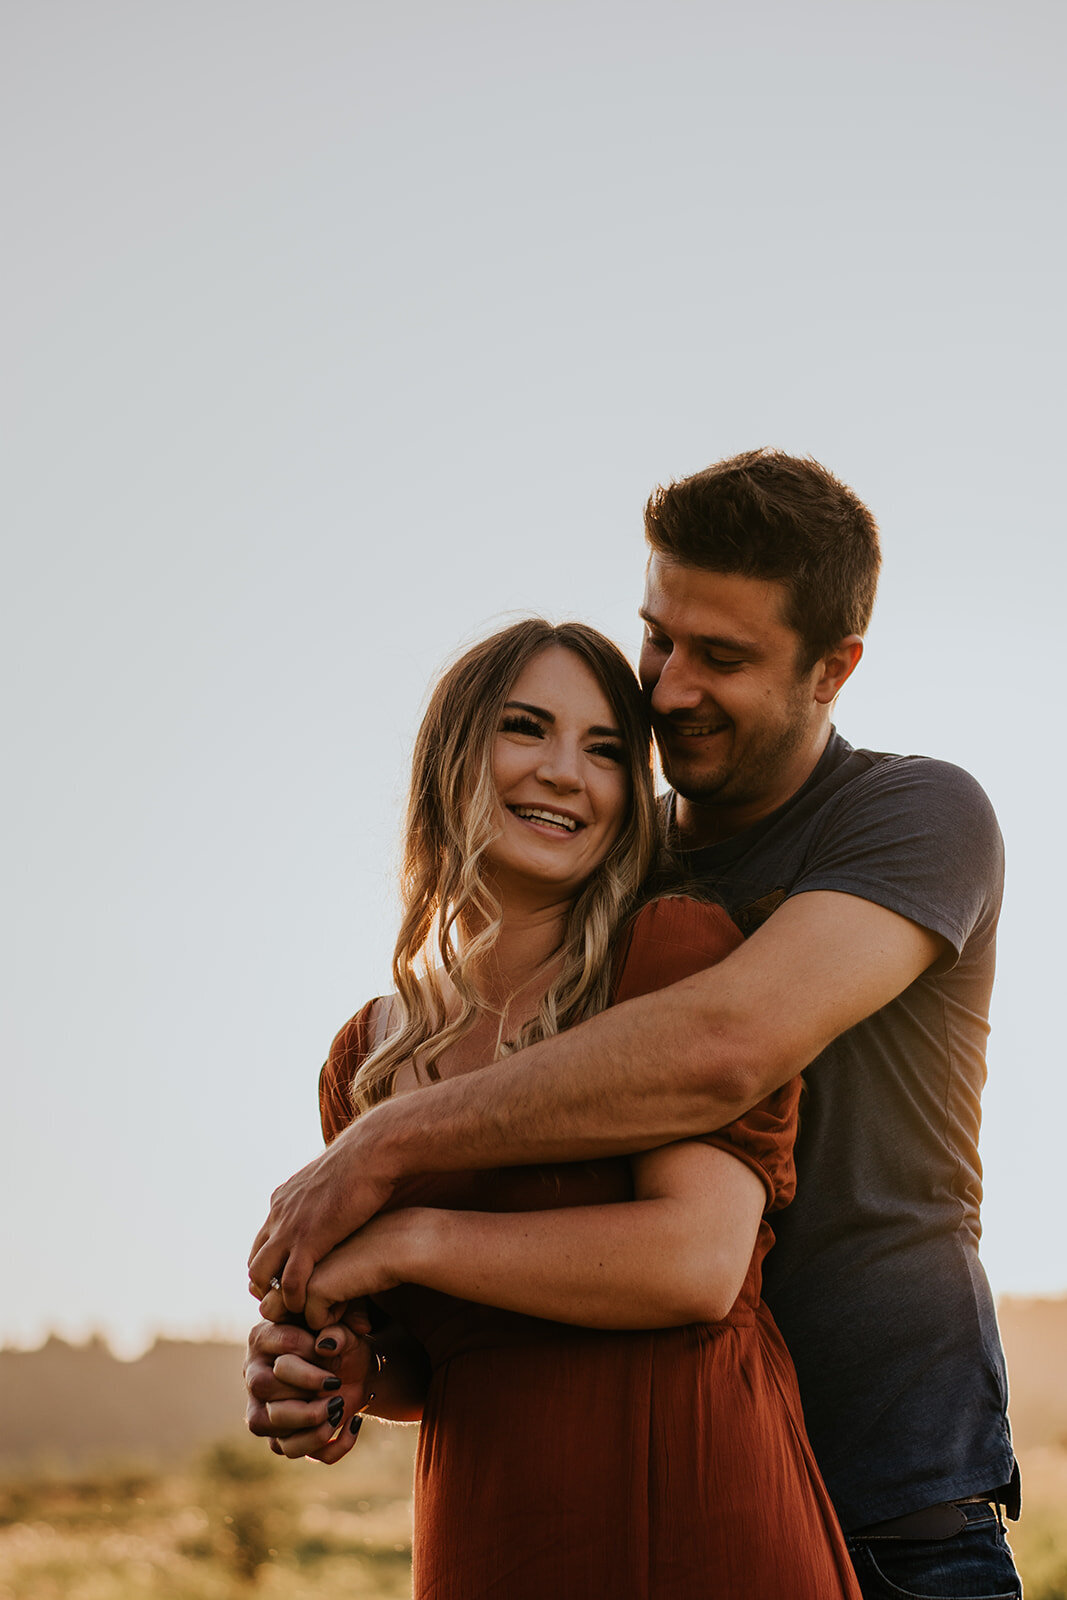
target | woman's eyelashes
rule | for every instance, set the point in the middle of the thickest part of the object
(520, 724)
(517, 722)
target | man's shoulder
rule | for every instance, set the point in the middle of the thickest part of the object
(927, 783)
(914, 834)
(911, 833)
(933, 767)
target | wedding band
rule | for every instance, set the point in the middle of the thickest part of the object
(276, 1285)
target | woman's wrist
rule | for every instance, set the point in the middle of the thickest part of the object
(413, 1249)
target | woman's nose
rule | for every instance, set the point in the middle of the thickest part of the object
(561, 769)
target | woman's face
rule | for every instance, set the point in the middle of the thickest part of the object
(562, 778)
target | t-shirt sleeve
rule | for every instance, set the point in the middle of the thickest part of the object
(763, 1139)
(673, 938)
(335, 1080)
(919, 837)
(670, 939)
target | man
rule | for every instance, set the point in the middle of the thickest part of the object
(868, 887)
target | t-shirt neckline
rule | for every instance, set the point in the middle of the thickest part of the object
(837, 750)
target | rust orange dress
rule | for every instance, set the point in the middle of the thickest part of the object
(565, 1463)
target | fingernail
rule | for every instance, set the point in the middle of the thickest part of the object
(332, 1382)
(326, 1344)
(335, 1410)
(355, 1425)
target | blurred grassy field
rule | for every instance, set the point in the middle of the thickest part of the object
(236, 1521)
(1039, 1538)
(176, 1517)
(239, 1522)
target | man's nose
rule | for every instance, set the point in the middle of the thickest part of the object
(676, 688)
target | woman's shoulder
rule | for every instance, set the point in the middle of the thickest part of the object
(688, 916)
(352, 1045)
(367, 1029)
(354, 1037)
(685, 923)
(671, 938)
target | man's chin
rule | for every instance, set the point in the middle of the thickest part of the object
(702, 761)
(701, 787)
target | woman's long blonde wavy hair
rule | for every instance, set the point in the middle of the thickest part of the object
(451, 916)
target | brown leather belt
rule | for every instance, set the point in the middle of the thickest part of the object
(932, 1522)
(945, 1521)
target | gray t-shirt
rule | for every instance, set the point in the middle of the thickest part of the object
(875, 1280)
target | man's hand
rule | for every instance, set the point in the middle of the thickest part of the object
(306, 1390)
(315, 1209)
(370, 1262)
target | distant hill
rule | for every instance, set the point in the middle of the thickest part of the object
(69, 1406)
(75, 1404)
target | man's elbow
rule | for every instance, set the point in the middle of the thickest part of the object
(735, 1069)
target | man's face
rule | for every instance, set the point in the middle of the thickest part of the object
(736, 720)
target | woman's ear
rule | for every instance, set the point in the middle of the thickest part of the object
(836, 667)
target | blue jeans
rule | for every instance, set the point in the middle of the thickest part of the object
(975, 1564)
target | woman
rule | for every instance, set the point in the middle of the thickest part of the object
(609, 1409)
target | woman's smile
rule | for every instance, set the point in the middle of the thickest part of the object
(550, 821)
(561, 776)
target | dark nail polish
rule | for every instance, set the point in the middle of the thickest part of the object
(335, 1410)
(333, 1382)
(326, 1344)
(355, 1425)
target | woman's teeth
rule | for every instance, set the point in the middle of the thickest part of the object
(534, 814)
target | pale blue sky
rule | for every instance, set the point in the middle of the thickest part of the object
(334, 331)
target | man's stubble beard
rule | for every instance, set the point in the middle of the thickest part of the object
(747, 780)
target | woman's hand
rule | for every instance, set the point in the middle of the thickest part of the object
(306, 1391)
(368, 1263)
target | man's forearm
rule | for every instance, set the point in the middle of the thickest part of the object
(666, 1066)
(637, 1076)
(640, 1075)
(678, 1062)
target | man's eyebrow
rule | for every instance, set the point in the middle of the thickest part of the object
(547, 716)
(714, 641)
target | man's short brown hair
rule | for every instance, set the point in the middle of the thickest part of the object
(780, 518)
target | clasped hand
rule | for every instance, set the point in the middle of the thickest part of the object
(307, 1384)
(306, 1390)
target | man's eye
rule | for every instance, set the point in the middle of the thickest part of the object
(722, 663)
(518, 724)
(655, 642)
